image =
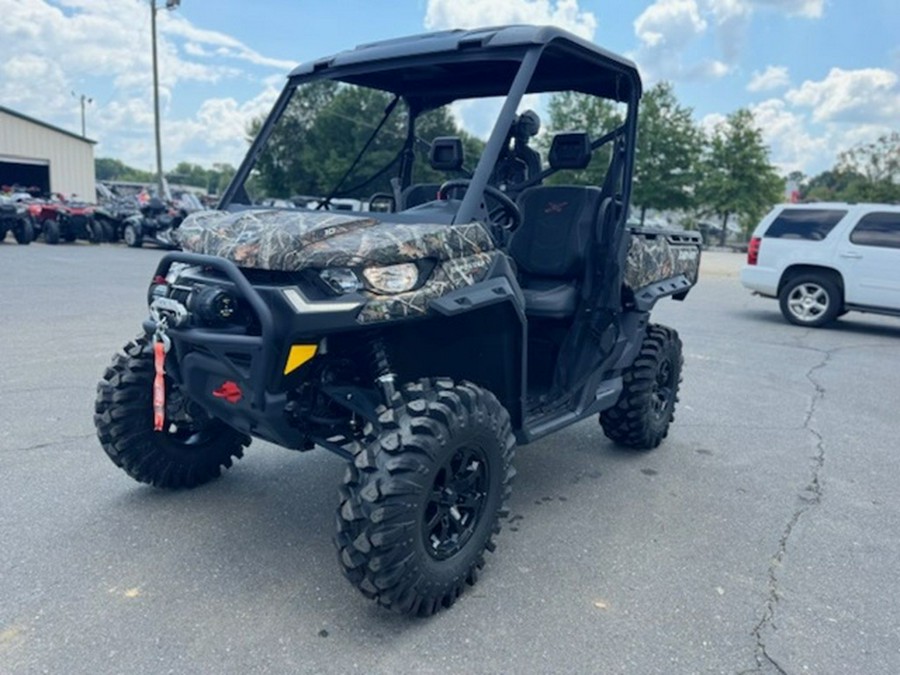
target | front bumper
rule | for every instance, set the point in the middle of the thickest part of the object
(211, 362)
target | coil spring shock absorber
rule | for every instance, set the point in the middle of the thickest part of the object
(382, 366)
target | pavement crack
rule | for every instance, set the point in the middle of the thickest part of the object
(50, 444)
(809, 497)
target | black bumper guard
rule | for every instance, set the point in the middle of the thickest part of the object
(262, 365)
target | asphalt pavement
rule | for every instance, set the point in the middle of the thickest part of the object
(763, 536)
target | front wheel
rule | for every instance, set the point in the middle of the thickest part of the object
(132, 236)
(51, 231)
(192, 449)
(24, 233)
(810, 300)
(422, 500)
(646, 407)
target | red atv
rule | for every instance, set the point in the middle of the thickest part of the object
(58, 218)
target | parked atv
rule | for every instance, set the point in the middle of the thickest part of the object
(59, 219)
(155, 223)
(112, 212)
(14, 217)
(421, 344)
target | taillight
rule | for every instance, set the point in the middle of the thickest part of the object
(753, 251)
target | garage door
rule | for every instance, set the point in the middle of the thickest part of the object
(25, 173)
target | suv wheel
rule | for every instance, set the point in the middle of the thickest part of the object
(423, 498)
(184, 455)
(646, 407)
(810, 300)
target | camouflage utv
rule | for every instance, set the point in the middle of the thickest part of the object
(466, 311)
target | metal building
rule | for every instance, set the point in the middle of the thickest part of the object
(37, 154)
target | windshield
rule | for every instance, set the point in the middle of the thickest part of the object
(339, 145)
(349, 143)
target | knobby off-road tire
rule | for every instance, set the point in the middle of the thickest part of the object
(174, 458)
(95, 232)
(810, 300)
(51, 231)
(424, 495)
(132, 236)
(646, 407)
(24, 234)
(109, 231)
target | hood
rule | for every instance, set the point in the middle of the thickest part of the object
(296, 240)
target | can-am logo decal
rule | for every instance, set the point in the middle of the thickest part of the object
(555, 207)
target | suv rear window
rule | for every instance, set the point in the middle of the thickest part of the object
(814, 224)
(878, 229)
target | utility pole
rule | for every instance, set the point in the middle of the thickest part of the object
(84, 99)
(160, 180)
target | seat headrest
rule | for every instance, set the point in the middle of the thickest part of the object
(446, 153)
(570, 150)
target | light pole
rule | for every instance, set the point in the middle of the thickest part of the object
(170, 4)
(84, 99)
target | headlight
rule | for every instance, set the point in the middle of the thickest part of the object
(393, 278)
(341, 280)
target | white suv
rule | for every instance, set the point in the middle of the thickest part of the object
(822, 260)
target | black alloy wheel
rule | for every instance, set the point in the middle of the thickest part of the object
(423, 498)
(457, 501)
(646, 407)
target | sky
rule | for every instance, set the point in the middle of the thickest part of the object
(820, 76)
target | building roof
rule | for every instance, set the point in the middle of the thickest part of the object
(46, 125)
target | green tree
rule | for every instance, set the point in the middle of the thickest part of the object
(325, 127)
(833, 185)
(572, 111)
(106, 168)
(878, 163)
(669, 145)
(736, 177)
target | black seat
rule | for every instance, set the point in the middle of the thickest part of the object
(446, 154)
(558, 225)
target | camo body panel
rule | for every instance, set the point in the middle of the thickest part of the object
(297, 240)
(449, 275)
(654, 259)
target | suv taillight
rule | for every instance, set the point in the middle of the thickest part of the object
(753, 251)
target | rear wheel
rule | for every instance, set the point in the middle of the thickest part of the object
(192, 449)
(95, 232)
(423, 498)
(646, 407)
(51, 231)
(810, 300)
(109, 231)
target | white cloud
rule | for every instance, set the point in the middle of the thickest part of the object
(809, 9)
(666, 29)
(773, 77)
(670, 24)
(441, 14)
(868, 96)
(102, 48)
(669, 29)
(788, 136)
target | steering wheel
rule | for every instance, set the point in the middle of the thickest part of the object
(505, 214)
